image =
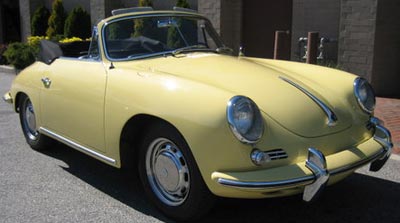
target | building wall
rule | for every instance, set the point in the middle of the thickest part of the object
(226, 17)
(212, 10)
(357, 36)
(322, 16)
(386, 63)
(231, 18)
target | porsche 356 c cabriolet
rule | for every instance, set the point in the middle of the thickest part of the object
(159, 92)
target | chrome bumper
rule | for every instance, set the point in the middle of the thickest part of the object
(316, 163)
(7, 98)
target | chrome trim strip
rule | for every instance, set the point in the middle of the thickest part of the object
(296, 182)
(168, 14)
(332, 119)
(357, 82)
(257, 120)
(382, 136)
(131, 10)
(357, 164)
(77, 146)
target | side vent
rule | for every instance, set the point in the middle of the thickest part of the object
(259, 157)
(277, 154)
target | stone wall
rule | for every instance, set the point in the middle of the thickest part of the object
(226, 17)
(357, 36)
(322, 16)
(212, 10)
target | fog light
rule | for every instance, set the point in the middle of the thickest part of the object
(259, 158)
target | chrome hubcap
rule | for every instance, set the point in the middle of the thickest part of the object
(30, 121)
(167, 172)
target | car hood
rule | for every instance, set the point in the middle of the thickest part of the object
(261, 80)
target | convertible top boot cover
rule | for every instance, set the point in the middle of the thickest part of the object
(49, 51)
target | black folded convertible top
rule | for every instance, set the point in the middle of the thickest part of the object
(49, 51)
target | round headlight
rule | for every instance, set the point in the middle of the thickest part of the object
(245, 119)
(365, 95)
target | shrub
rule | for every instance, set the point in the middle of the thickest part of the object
(143, 3)
(139, 23)
(20, 55)
(56, 19)
(120, 30)
(34, 41)
(40, 20)
(71, 40)
(77, 24)
(182, 4)
(173, 39)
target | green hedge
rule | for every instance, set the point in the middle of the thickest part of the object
(20, 55)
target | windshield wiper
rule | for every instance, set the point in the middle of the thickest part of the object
(190, 48)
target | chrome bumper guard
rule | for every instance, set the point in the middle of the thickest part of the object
(316, 162)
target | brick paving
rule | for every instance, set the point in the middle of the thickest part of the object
(388, 110)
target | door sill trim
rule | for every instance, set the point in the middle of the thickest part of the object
(77, 146)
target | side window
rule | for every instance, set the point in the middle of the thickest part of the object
(94, 52)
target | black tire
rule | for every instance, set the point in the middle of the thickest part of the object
(189, 198)
(36, 140)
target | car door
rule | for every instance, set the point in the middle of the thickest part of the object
(72, 101)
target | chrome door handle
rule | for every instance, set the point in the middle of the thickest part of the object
(46, 82)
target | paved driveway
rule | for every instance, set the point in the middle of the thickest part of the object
(63, 185)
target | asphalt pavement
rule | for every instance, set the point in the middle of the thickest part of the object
(63, 185)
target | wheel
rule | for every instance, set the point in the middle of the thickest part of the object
(27, 117)
(170, 175)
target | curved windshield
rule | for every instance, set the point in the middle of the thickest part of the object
(132, 38)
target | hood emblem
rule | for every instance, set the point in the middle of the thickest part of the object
(332, 119)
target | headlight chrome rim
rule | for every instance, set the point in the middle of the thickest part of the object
(257, 120)
(358, 83)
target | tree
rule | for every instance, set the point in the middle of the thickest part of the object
(143, 3)
(77, 24)
(56, 19)
(40, 20)
(139, 23)
(173, 39)
(183, 4)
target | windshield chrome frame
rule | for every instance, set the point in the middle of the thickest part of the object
(213, 35)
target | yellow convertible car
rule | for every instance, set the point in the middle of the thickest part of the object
(158, 91)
